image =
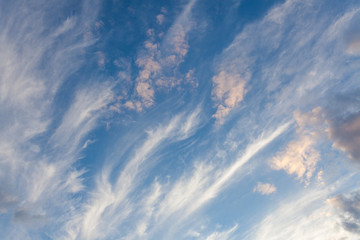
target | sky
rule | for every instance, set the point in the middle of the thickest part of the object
(180, 119)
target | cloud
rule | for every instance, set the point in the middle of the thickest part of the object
(228, 92)
(25, 216)
(206, 180)
(163, 207)
(348, 208)
(6, 202)
(189, 77)
(264, 188)
(224, 176)
(41, 47)
(111, 203)
(339, 123)
(101, 59)
(345, 133)
(146, 91)
(43, 137)
(160, 19)
(227, 234)
(299, 158)
(82, 115)
(276, 63)
(306, 215)
(352, 36)
(159, 60)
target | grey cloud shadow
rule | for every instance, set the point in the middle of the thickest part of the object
(343, 116)
(27, 217)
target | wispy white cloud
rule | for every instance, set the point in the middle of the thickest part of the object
(39, 168)
(114, 204)
(37, 57)
(111, 202)
(308, 215)
(290, 66)
(196, 188)
(82, 115)
(224, 176)
(227, 234)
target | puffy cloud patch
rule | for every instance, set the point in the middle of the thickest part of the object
(160, 19)
(264, 188)
(146, 91)
(228, 92)
(339, 123)
(299, 158)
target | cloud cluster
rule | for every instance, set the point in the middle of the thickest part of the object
(158, 62)
(339, 123)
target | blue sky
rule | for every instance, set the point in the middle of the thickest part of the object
(180, 119)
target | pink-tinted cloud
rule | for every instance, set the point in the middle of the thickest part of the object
(264, 188)
(228, 92)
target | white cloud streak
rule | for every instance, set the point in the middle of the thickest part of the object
(196, 188)
(308, 215)
(225, 176)
(291, 65)
(225, 235)
(38, 178)
(110, 203)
